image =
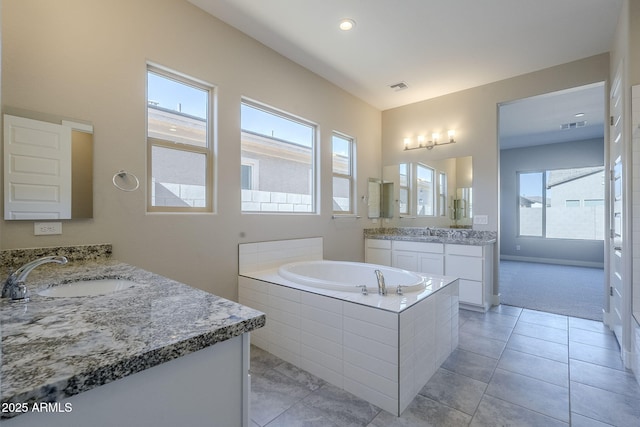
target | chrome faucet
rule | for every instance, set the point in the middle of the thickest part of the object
(382, 288)
(15, 288)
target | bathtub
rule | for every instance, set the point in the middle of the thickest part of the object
(350, 276)
(383, 349)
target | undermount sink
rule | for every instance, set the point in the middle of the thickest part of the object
(85, 288)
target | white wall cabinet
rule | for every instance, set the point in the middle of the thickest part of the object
(472, 264)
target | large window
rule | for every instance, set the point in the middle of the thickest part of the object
(343, 173)
(180, 159)
(562, 204)
(277, 161)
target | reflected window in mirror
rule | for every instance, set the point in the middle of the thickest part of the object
(180, 157)
(404, 198)
(442, 194)
(343, 173)
(425, 190)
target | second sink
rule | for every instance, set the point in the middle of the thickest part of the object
(84, 288)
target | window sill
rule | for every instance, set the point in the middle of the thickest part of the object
(345, 216)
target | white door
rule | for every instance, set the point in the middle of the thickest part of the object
(616, 166)
(37, 164)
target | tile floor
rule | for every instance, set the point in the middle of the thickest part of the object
(513, 367)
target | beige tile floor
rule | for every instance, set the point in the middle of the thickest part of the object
(513, 367)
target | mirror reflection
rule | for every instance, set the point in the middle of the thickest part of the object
(380, 199)
(433, 192)
(48, 168)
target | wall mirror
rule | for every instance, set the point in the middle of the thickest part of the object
(380, 199)
(48, 168)
(433, 192)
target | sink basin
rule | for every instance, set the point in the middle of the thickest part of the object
(85, 288)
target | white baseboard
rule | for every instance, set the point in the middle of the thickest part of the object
(573, 263)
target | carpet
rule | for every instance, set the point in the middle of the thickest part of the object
(560, 289)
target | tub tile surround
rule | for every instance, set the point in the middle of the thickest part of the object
(432, 234)
(381, 349)
(53, 348)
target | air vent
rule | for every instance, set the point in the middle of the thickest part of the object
(399, 86)
(573, 125)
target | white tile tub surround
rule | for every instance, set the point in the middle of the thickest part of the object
(383, 355)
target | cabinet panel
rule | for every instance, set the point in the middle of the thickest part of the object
(466, 250)
(463, 267)
(470, 291)
(378, 256)
(405, 260)
(376, 243)
(418, 246)
(431, 263)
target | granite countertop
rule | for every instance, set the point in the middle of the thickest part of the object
(53, 348)
(436, 235)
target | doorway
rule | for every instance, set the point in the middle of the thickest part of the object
(552, 202)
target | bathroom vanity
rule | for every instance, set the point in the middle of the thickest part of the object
(157, 353)
(466, 254)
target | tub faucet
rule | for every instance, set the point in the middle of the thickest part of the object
(15, 288)
(382, 288)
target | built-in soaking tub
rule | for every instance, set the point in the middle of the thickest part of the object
(349, 276)
(383, 349)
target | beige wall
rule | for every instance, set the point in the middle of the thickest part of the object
(473, 115)
(86, 59)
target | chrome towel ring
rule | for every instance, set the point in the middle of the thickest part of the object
(123, 176)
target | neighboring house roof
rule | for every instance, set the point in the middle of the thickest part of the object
(530, 201)
(558, 177)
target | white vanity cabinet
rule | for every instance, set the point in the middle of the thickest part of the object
(377, 251)
(422, 257)
(473, 265)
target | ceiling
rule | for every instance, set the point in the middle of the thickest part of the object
(436, 47)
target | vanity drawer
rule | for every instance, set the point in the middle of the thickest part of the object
(465, 250)
(379, 244)
(401, 245)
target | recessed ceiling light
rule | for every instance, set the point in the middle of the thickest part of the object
(579, 114)
(347, 24)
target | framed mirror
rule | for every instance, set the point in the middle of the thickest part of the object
(48, 169)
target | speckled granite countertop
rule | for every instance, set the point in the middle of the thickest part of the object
(456, 236)
(54, 348)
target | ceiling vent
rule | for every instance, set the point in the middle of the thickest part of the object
(573, 125)
(399, 86)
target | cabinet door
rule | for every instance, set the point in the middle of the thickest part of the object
(431, 263)
(405, 260)
(378, 256)
(470, 292)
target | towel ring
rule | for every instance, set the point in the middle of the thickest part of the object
(122, 175)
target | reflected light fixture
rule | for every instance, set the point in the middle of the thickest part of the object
(347, 24)
(435, 140)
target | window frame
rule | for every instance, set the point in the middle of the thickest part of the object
(545, 204)
(351, 174)
(433, 191)
(314, 185)
(207, 151)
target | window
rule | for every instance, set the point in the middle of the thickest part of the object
(284, 147)
(425, 190)
(442, 194)
(404, 189)
(343, 173)
(562, 204)
(180, 159)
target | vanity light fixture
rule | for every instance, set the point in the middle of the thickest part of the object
(435, 140)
